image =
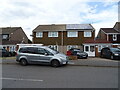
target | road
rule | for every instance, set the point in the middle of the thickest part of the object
(37, 76)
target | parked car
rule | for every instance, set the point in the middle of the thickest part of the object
(12, 53)
(40, 55)
(77, 52)
(4, 53)
(112, 53)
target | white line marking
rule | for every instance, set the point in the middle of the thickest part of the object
(20, 79)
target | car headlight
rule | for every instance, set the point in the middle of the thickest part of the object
(62, 58)
(116, 54)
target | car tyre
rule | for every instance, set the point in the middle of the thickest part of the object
(23, 62)
(55, 63)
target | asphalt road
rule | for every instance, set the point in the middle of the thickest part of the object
(37, 76)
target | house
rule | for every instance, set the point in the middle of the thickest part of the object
(93, 47)
(111, 34)
(11, 36)
(63, 37)
(107, 37)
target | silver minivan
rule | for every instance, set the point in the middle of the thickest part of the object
(40, 55)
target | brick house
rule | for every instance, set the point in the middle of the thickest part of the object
(62, 37)
(10, 36)
(111, 34)
(107, 37)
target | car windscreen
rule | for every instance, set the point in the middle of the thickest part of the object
(52, 51)
(115, 50)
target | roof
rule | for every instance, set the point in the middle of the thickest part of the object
(7, 42)
(8, 30)
(52, 27)
(97, 41)
(117, 26)
(109, 30)
(79, 26)
(63, 27)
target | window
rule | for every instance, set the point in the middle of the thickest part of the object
(39, 34)
(4, 36)
(72, 34)
(86, 48)
(54, 47)
(41, 51)
(114, 37)
(23, 50)
(99, 48)
(32, 50)
(92, 48)
(87, 34)
(52, 34)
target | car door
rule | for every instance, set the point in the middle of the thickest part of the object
(44, 56)
(108, 53)
(32, 54)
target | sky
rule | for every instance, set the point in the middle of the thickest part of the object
(28, 14)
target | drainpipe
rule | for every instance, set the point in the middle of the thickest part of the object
(107, 38)
(62, 41)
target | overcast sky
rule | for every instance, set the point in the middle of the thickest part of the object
(28, 14)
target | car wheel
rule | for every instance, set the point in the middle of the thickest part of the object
(23, 62)
(55, 63)
(112, 57)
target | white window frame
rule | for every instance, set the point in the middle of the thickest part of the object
(114, 37)
(72, 34)
(87, 34)
(55, 47)
(53, 34)
(5, 36)
(39, 34)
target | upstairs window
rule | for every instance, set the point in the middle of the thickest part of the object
(39, 34)
(87, 34)
(72, 34)
(114, 37)
(5, 36)
(52, 34)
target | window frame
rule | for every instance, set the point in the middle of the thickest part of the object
(86, 34)
(114, 37)
(52, 34)
(70, 33)
(6, 37)
(39, 34)
(55, 47)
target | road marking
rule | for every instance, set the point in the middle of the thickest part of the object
(20, 79)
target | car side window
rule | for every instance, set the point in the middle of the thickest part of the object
(41, 51)
(23, 50)
(32, 50)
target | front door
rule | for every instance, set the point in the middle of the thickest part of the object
(90, 50)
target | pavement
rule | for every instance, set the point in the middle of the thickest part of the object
(95, 62)
(91, 62)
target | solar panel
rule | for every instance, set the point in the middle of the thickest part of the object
(78, 26)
